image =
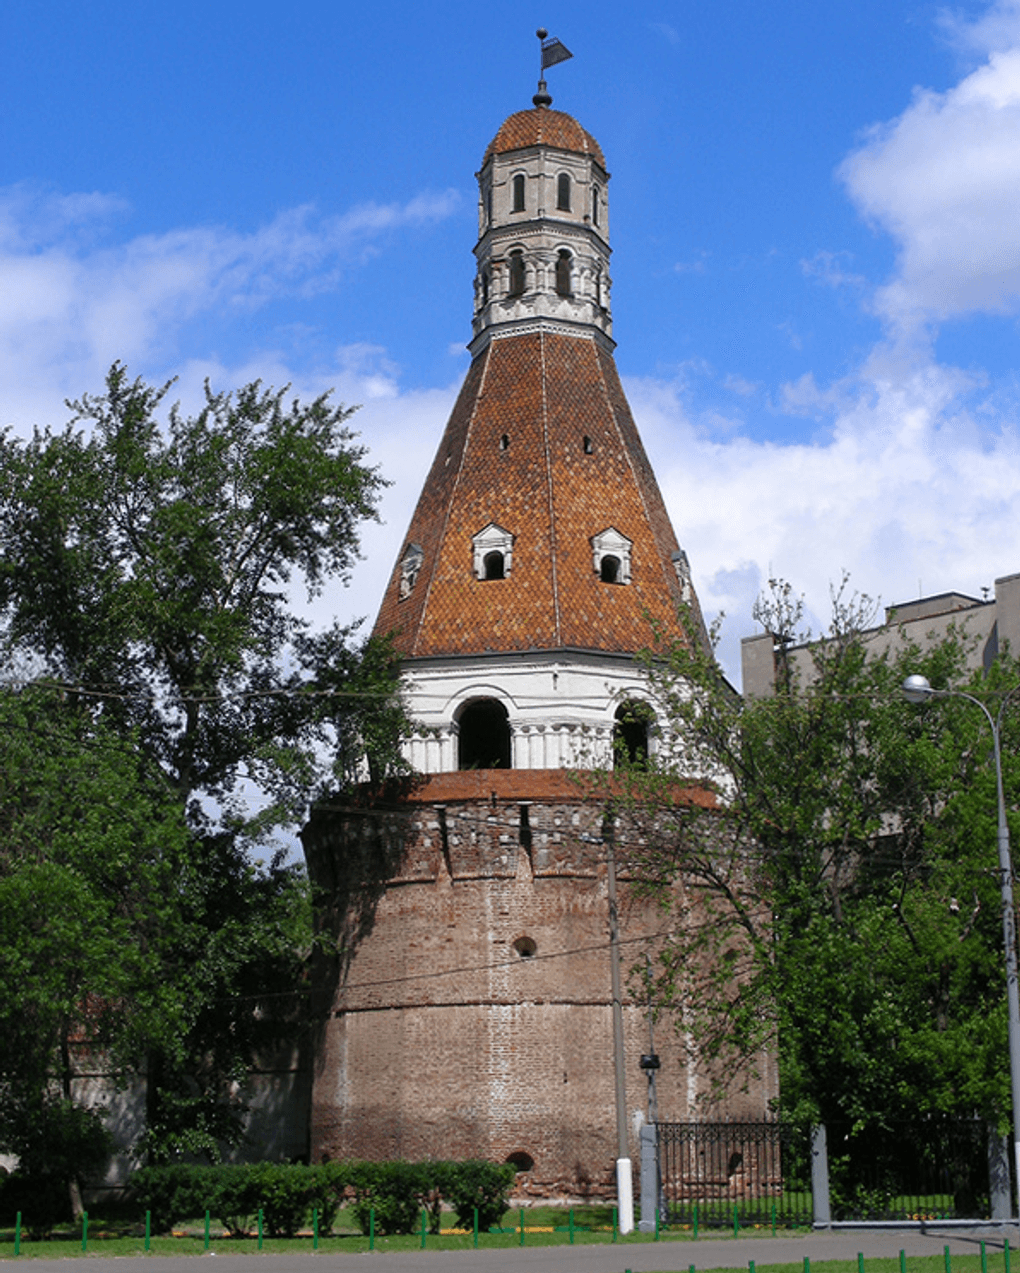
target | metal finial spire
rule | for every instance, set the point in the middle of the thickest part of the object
(552, 51)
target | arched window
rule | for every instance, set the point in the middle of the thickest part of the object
(517, 272)
(485, 287)
(492, 564)
(595, 192)
(563, 273)
(521, 1160)
(563, 192)
(609, 569)
(630, 732)
(519, 192)
(484, 736)
(598, 287)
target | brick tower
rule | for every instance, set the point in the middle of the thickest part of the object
(472, 1012)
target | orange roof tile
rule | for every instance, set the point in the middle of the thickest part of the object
(544, 127)
(546, 393)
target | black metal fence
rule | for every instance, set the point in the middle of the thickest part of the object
(757, 1173)
(760, 1173)
(929, 1170)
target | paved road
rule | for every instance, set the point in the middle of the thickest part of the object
(665, 1256)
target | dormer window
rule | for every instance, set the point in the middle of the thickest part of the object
(410, 568)
(518, 189)
(611, 556)
(563, 273)
(563, 192)
(493, 552)
(517, 272)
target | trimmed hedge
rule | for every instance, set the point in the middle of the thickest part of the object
(286, 1193)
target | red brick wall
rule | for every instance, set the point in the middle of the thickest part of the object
(443, 1041)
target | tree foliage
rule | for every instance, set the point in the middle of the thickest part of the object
(841, 906)
(175, 712)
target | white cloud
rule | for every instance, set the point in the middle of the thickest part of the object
(69, 307)
(909, 491)
(943, 179)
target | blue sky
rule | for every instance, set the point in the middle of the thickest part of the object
(815, 229)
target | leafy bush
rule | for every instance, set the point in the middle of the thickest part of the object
(234, 1196)
(171, 1193)
(286, 1193)
(481, 1184)
(42, 1198)
(395, 1190)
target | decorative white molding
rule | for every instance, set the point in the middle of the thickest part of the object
(490, 539)
(611, 543)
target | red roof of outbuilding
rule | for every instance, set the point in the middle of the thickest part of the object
(544, 127)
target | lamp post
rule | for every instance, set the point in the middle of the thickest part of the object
(916, 689)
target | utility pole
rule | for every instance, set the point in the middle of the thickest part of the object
(624, 1176)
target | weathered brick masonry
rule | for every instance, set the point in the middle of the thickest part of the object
(476, 1019)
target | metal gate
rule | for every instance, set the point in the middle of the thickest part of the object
(935, 1169)
(751, 1173)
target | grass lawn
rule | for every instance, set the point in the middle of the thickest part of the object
(544, 1226)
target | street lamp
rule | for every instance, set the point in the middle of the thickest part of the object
(916, 689)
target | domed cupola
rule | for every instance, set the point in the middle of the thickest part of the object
(543, 229)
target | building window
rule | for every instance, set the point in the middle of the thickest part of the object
(588, 445)
(519, 192)
(493, 552)
(631, 726)
(563, 192)
(483, 736)
(611, 556)
(517, 272)
(504, 442)
(525, 947)
(563, 273)
(595, 192)
(485, 287)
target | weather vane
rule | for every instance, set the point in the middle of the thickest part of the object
(553, 51)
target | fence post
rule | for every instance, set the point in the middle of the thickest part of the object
(476, 1228)
(820, 1178)
(84, 1230)
(17, 1234)
(148, 1229)
(998, 1175)
(315, 1228)
(649, 1167)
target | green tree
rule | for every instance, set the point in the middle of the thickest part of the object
(841, 904)
(146, 563)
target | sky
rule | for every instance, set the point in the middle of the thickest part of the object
(815, 224)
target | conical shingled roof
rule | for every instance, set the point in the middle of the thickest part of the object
(515, 454)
